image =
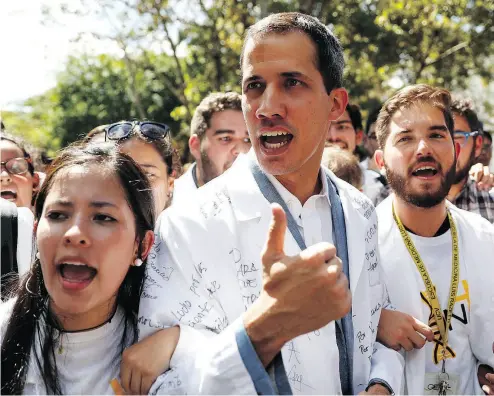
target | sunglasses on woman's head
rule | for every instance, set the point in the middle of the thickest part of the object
(149, 129)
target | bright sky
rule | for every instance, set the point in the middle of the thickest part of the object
(32, 52)
(34, 49)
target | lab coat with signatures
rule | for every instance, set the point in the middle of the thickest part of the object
(205, 270)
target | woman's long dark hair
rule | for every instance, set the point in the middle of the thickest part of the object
(31, 314)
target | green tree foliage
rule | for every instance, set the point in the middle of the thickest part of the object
(196, 49)
(96, 90)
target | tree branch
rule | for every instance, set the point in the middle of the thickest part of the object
(424, 65)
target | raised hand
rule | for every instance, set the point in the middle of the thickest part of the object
(482, 176)
(300, 293)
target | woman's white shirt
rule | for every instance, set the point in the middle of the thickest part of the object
(86, 361)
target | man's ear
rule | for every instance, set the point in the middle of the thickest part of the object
(359, 137)
(338, 100)
(457, 150)
(379, 158)
(195, 146)
(478, 145)
(171, 183)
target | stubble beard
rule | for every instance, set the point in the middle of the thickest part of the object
(426, 199)
(208, 169)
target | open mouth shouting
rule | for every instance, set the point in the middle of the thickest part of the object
(75, 275)
(425, 172)
(9, 195)
(275, 142)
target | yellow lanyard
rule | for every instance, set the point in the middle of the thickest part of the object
(431, 292)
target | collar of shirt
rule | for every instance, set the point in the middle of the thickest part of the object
(294, 204)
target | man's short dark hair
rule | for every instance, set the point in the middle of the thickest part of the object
(408, 97)
(355, 116)
(329, 53)
(371, 119)
(213, 103)
(464, 108)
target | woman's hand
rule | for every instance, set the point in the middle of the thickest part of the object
(145, 361)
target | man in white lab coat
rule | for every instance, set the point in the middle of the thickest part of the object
(299, 315)
(438, 265)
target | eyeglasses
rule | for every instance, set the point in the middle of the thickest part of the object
(461, 137)
(16, 166)
(124, 129)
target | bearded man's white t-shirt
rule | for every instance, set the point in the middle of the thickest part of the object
(408, 293)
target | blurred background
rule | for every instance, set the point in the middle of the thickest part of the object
(68, 66)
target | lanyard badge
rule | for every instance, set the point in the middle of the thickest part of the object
(442, 383)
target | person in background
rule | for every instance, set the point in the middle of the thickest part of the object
(370, 141)
(347, 133)
(344, 165)
(486, 153)
(149, 144)
(67, 326)
(217, 136)
(17, 244)
(436, 269)
(19, 181)
(466, 193)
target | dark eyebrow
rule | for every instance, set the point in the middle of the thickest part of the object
(343, 122)
(95, 204)
(442, 128)
(252, 78)
(291, 74)
(102, 204)
(62, 202)
(148, 166)
(222, 131)
(404, 131)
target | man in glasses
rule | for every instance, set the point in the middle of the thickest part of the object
(347, 133)
(217, 136)
(437, 257)
(465, 193)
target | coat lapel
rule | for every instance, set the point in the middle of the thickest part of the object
(354, 205)
(252, 210)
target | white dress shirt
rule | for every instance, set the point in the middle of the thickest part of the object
(314, 217)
